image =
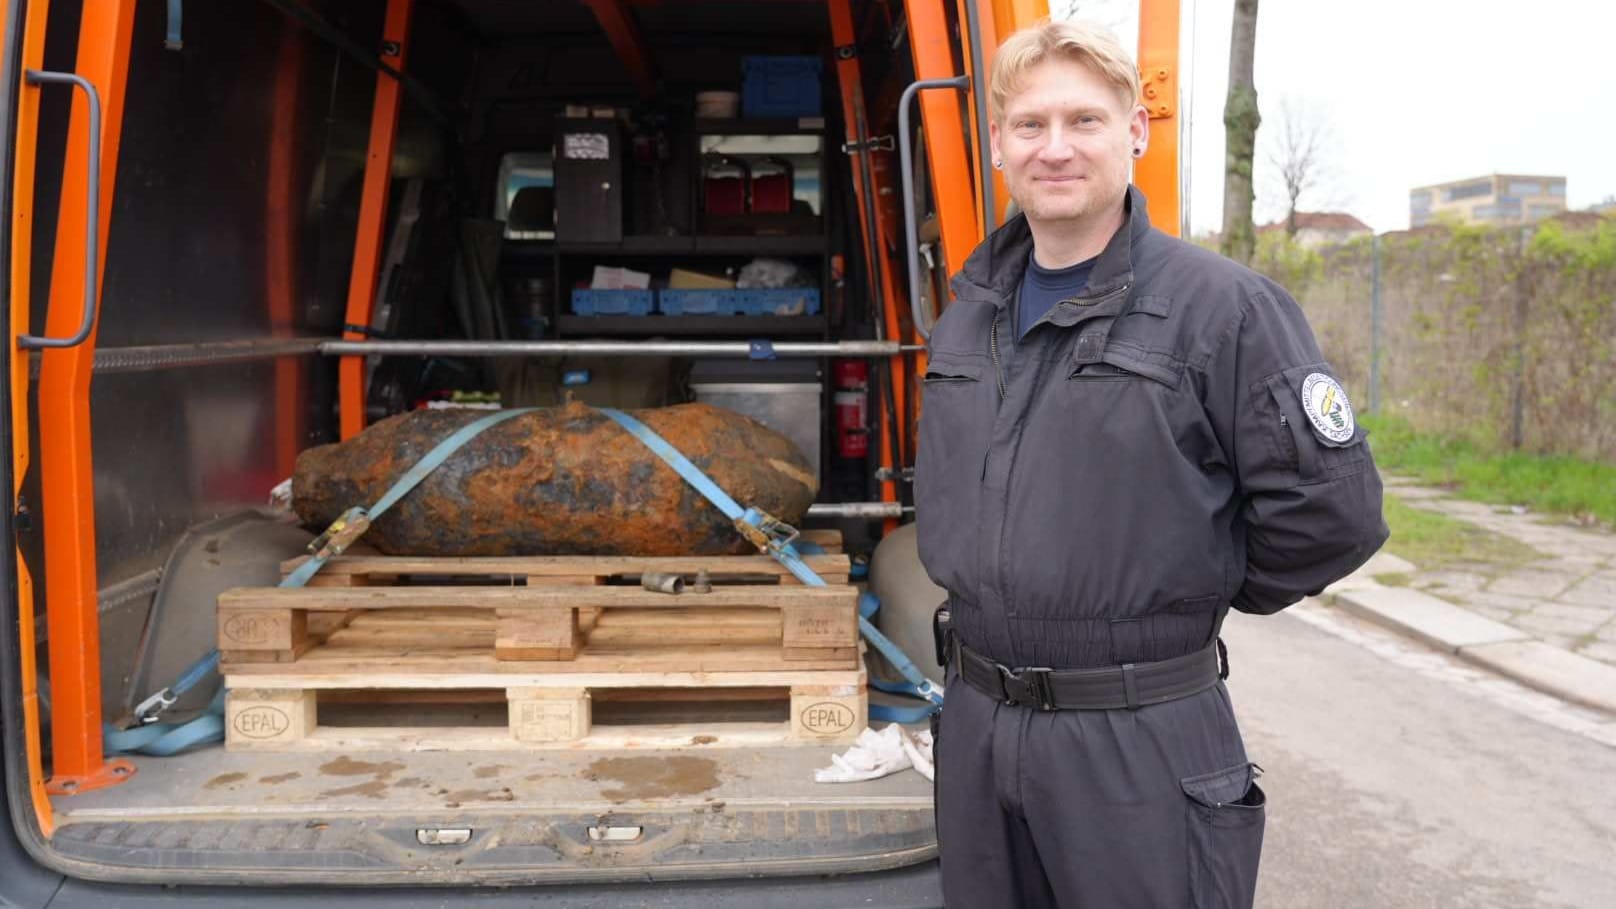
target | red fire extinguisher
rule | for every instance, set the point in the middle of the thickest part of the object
(852, 391)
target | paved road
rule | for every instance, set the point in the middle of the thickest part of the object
(1398, 777)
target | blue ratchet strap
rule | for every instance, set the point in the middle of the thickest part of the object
(165, 739)
(333, 542)
(764, 531)
(775, 538)
(915, 684)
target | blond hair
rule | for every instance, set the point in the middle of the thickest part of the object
(1087, 43)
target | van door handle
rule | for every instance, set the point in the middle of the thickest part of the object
(906, 167)
(91, 220)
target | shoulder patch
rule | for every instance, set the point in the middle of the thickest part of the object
(1327, 408)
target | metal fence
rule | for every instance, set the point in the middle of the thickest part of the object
(1504, 336)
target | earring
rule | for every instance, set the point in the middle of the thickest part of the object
(1138, 153)
(997, 164)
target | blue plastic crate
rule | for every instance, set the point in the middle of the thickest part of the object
(780, 87)
(783, 301)
(712, 302)
(612, 302)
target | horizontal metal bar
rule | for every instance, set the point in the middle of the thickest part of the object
(204, 353)
(210, 353)
(147, 358)
(858, 510)
(741, 349)
(143, 585)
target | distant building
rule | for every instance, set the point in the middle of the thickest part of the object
(1495, 199)
(1321, 228)
(1606, 207)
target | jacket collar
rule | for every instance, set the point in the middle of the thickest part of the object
(995, 268)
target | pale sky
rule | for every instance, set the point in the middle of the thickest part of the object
(1415, 92)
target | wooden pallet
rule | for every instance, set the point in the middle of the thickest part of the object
(432, 657)
(543, 640)
(564, 611)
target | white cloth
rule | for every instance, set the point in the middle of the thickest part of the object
(281, 496)
(918, 746)
(877, 754)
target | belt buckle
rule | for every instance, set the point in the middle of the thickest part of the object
(1033, 683)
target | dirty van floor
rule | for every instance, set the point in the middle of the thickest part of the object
(213, 782)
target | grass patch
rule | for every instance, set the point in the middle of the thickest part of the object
(1394, 579)
(1548, 483)
(1435, 541)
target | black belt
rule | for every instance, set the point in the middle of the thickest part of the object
(1129, 686)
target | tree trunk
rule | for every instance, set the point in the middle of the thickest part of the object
(1240, 121)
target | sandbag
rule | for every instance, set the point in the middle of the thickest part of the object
(557, 481)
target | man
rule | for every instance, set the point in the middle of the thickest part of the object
(1123, 437)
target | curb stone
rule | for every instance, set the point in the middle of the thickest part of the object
(1474, 638)
(1566, 675)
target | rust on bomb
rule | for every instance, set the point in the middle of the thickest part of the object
(557, 481)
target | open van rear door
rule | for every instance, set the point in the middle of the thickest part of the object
(80, 192)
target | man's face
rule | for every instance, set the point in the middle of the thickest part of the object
(1067, 142)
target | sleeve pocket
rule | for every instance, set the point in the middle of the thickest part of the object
(1317, 428)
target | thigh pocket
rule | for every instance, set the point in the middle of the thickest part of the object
(1226, 816)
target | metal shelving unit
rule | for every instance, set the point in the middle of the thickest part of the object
(693, 326)
(673, 249)
(709, 245)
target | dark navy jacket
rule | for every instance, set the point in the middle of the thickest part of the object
(1144, 461)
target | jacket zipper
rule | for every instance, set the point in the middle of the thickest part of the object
(993, 335)
(993, 348)
(1106, 297)
(1288, 440)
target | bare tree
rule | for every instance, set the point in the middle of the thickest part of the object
(1240, 121)
(1301, 152)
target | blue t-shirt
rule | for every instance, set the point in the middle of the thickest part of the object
(1042, 288)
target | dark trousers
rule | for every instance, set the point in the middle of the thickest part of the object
(1096, 809)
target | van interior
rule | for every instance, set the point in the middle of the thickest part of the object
(670, 172)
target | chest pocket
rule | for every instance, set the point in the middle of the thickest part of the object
(1125, 403)
(1121, 403)
(957, 407)
(947, 372)
(1119, 363)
